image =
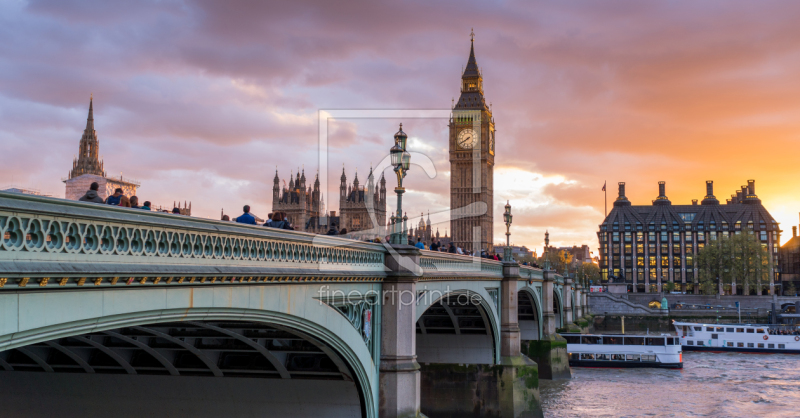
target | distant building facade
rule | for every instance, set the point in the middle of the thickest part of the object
(87, 168)
(358, 206)
(649, 245)
(790, 261)
(25, 190)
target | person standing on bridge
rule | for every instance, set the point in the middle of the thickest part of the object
(246, 218)
(419, 244)
(91, 194)
(115, 198)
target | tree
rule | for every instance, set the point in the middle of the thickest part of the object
(738, 260)
(586, 272)
(789, 289)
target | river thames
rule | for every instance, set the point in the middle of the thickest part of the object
(710, 385)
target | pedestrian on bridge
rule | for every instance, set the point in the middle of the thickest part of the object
(91, 195)
(246, 218)
(115, 198)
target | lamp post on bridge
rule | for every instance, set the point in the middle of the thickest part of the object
(401, 160)
(507, 218)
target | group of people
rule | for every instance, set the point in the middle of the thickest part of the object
(274, 220)
(452, 249)
(116, 199)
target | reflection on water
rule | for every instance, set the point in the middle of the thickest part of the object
(710, 385)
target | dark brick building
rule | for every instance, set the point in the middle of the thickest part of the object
(790, 261)
(648, 245)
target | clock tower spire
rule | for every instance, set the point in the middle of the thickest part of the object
(472, 162)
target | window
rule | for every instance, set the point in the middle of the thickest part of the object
(639, 237)
(763, 235)
(689, 342)
(634, 341)
(687, 217)
(654, 341)
(760, 330)
(651, 237)
(664, 261)
(739, 329)
(676, 237)
(633, 357)
(771, 346)
(781, 346)
(690, 263)
(612, 340)
(604, 357)
(648, 357)
(760, 345)
(750, 345)
(627, 237)
(750, 330)
(574, 356)
(572, 339)
(591, 339)
(714, 336)
(728, 329)
(585, 356)
(615, 237)
(652, 261)
(740, 344)
(699, 343)
(618, 357)
(640, 248)
(698, 328)
(640, 261)
(730, 344)
(627, 248)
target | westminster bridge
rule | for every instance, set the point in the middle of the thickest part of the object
(124, 312)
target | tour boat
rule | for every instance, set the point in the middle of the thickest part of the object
(618, 351)
(747, 338)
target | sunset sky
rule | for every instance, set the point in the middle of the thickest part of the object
(201, 101)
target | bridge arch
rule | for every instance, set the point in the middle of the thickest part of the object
(315, 321)
(529, 314)
(469, 340)
(558, 308)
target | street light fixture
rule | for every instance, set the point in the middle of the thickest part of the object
(507, 218)
(401, 160)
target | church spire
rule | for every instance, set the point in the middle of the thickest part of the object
(88, 161)
(471, 84)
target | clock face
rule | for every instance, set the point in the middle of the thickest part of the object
(467, 139)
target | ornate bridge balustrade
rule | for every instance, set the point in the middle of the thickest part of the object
(97, 289)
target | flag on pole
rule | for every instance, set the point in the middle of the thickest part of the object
(604, 186)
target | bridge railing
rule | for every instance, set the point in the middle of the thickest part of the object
(48, 241)
(437, 264)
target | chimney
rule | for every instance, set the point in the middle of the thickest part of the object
(694, 202)
(751, 187)
(727, 201)
(794, 231)
(738, 197)
(744, 191)
(709, 187)
(662, 187)
(621, 189)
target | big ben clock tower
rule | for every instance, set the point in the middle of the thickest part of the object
(472, 163)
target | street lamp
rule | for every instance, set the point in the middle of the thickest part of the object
(401, 160)
(507, 218)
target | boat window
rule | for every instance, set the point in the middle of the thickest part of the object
(585, 356)
(572, 339)
(618, 357)
(720, 329)
(730, 344)
(739, 329)
(654, 341)
(698, 328)
(750, 330)
(714, 336)
(689, 342)
(740, 344)
(612, 340)
(633, 357)
(602, 357)
(634, 340)
(760, 330)
(750, 345)
(728, 329)
(574, 356)
(781, 345)
(648, 357)
(592, 339)
(699, 343)
(771, 346)
(760, 345)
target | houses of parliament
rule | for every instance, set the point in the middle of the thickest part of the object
(362, 209)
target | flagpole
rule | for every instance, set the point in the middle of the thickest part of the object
(605, 193)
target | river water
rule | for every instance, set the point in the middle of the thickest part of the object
(710, 385)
